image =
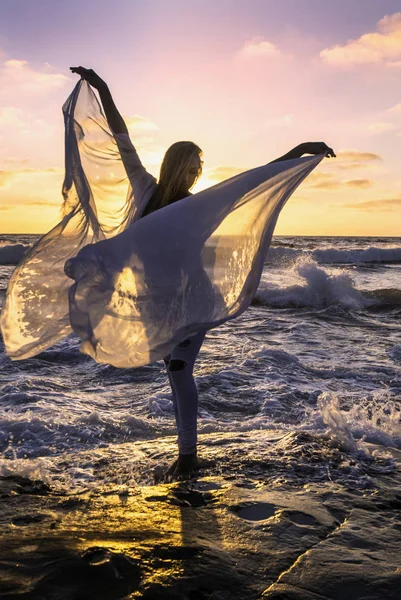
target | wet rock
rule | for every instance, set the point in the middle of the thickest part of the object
(350, 563)
(23, 485)
(99, 574)
(175, 553)
(301, 518)
(71, 503)
(23, 520)
(254, 511)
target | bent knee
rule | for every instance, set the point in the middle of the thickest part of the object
(176, 365)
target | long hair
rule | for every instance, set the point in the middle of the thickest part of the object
(173, 172)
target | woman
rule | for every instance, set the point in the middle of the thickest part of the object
(180, 169)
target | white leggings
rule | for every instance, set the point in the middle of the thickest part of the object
(180, 366)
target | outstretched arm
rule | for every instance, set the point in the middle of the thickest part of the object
(306, 148)
(141, 181)
(114, 119)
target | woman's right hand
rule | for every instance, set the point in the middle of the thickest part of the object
(90, 76)
(317, 148)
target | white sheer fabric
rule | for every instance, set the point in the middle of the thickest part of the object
(98, 203)
(147, 284)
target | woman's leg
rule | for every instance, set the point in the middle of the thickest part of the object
(180, 365)
(174, 398)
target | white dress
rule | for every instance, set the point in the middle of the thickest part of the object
(140, 286)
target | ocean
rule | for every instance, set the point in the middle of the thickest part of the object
(302, 390)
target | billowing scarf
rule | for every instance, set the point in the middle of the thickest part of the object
(140, 286)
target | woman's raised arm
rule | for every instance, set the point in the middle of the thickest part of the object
(114, 119)
(142, 182)
(307, 148)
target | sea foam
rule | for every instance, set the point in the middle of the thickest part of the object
(317, 288)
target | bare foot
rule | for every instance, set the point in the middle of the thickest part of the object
(182, 468)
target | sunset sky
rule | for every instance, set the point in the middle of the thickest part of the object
(246, 81)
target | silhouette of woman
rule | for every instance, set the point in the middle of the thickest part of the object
(181, 167)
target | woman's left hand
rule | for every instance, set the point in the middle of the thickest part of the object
(318, 148)
(90, 76)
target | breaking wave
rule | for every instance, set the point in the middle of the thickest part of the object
(11, 254)
(280, 254)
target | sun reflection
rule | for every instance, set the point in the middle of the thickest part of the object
(125, 294)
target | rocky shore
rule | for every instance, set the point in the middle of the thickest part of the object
(241, 530)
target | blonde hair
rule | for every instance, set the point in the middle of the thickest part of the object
(173, 173)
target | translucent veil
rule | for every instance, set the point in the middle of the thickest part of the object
(140, 286)
(98, 203)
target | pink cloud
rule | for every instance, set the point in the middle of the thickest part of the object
(259, 47)
(379, 47)
(18, 75)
